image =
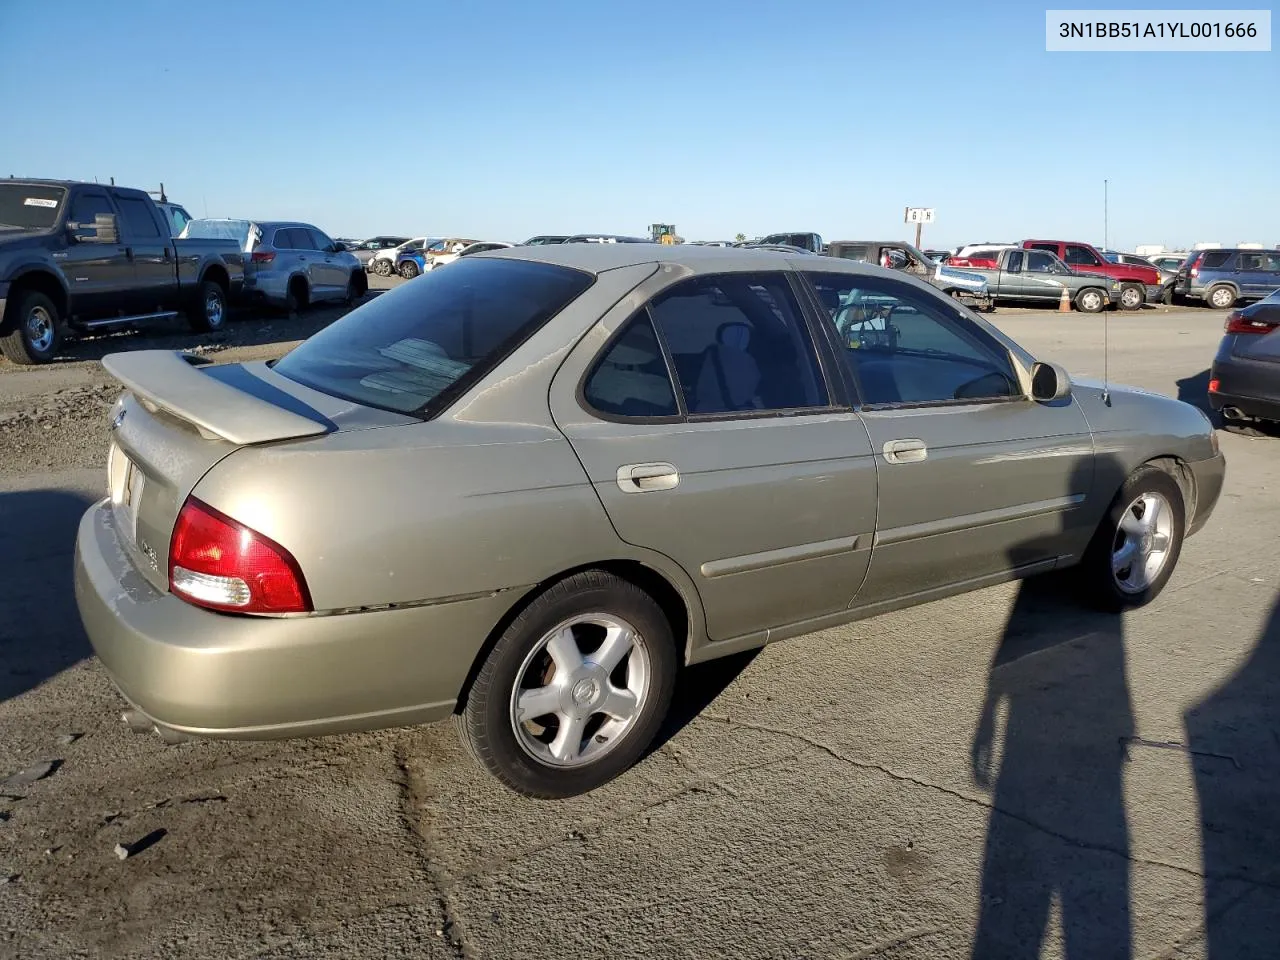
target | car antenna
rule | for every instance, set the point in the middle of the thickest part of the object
(1106, 377)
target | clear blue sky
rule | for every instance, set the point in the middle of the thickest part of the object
(506, 118)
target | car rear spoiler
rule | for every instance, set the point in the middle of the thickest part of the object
(172, 381)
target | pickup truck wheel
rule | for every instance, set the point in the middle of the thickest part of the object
(1136, 546)
(210, 310)
(34, 330)
(1131, 296)
(1090, 301)
(1221, 297)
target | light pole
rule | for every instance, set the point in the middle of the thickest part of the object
(1105, 245)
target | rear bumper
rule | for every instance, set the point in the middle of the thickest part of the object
(1209, 476)
(257, 678)
(1250, 385)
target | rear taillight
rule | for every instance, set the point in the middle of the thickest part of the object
(1215, 385)
(1193, 267)
(1237, 322)
(219, 563)
(263, 256)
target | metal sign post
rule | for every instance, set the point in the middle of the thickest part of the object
(919, 216)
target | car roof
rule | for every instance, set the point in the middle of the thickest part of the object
(599, 257)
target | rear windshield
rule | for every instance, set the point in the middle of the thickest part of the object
(415, 349)
(237, 230)
(27, 206)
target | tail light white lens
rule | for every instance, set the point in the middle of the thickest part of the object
(219, 563)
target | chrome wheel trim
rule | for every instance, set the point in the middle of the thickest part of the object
(1143, 542)
(1222, 297)
(1130, 297)
(213, 308)
(40, 329)
(1091, 300)
(592, 712)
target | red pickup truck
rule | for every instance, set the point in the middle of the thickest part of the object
(1138, 284)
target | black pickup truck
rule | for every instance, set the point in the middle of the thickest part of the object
(82, 256)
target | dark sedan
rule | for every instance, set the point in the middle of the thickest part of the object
(1244, 382)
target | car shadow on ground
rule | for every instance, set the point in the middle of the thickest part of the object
(1234, 738)
(696, 689)
(40, 631)
(246, 327)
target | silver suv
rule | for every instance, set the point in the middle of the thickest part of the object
(291, 265)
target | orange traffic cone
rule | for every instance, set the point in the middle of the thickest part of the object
(1064, 302)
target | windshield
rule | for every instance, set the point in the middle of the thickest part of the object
(413, 350)
(27, 206)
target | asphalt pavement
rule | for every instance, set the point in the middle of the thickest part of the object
(975, 777)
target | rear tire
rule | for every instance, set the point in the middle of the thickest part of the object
(548, 754)
(34, 329)
(409, 270)
(209, 312)
(1136, 547)
(296, 299)
(1220, 297)
(1132, 296)
(1090, 300)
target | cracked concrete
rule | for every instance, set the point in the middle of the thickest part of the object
(905, 787)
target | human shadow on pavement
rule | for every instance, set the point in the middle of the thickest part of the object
(1234, 738)
(1057, 831)
(40, 630)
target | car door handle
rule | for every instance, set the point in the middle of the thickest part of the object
(644, 477)
(905, 451)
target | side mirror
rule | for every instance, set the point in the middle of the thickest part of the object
(1049, 381)
(104, 229)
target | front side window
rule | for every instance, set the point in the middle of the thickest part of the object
(1051, 247)
(88, 205)
(413, 350)
(905, 346)
(319, 240)
(1080, 256)
(631, 378)
(739, 343)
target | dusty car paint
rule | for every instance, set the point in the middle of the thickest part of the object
(418, 538)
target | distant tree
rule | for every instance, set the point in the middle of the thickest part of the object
(740, 238)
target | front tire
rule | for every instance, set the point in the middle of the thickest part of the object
(575, 689)
(1221, 297)
(35, 330)
(1090, 300)
(1132, 296)
(382, 267)
(209, 312)
(1136, 547)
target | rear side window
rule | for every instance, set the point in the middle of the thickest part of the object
(283, 239)
(415, 349)
(1214, 259)
(1051, 247)
(631, 378)
(1013, 264)
(137, 217)
(852, 252)
(739, 343)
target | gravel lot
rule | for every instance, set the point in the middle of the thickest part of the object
(964, 778)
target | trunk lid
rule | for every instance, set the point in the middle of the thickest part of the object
(180, 416)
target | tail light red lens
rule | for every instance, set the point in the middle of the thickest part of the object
(263, 256)
(219, 563)
(1215, 385)
(1237, 322)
